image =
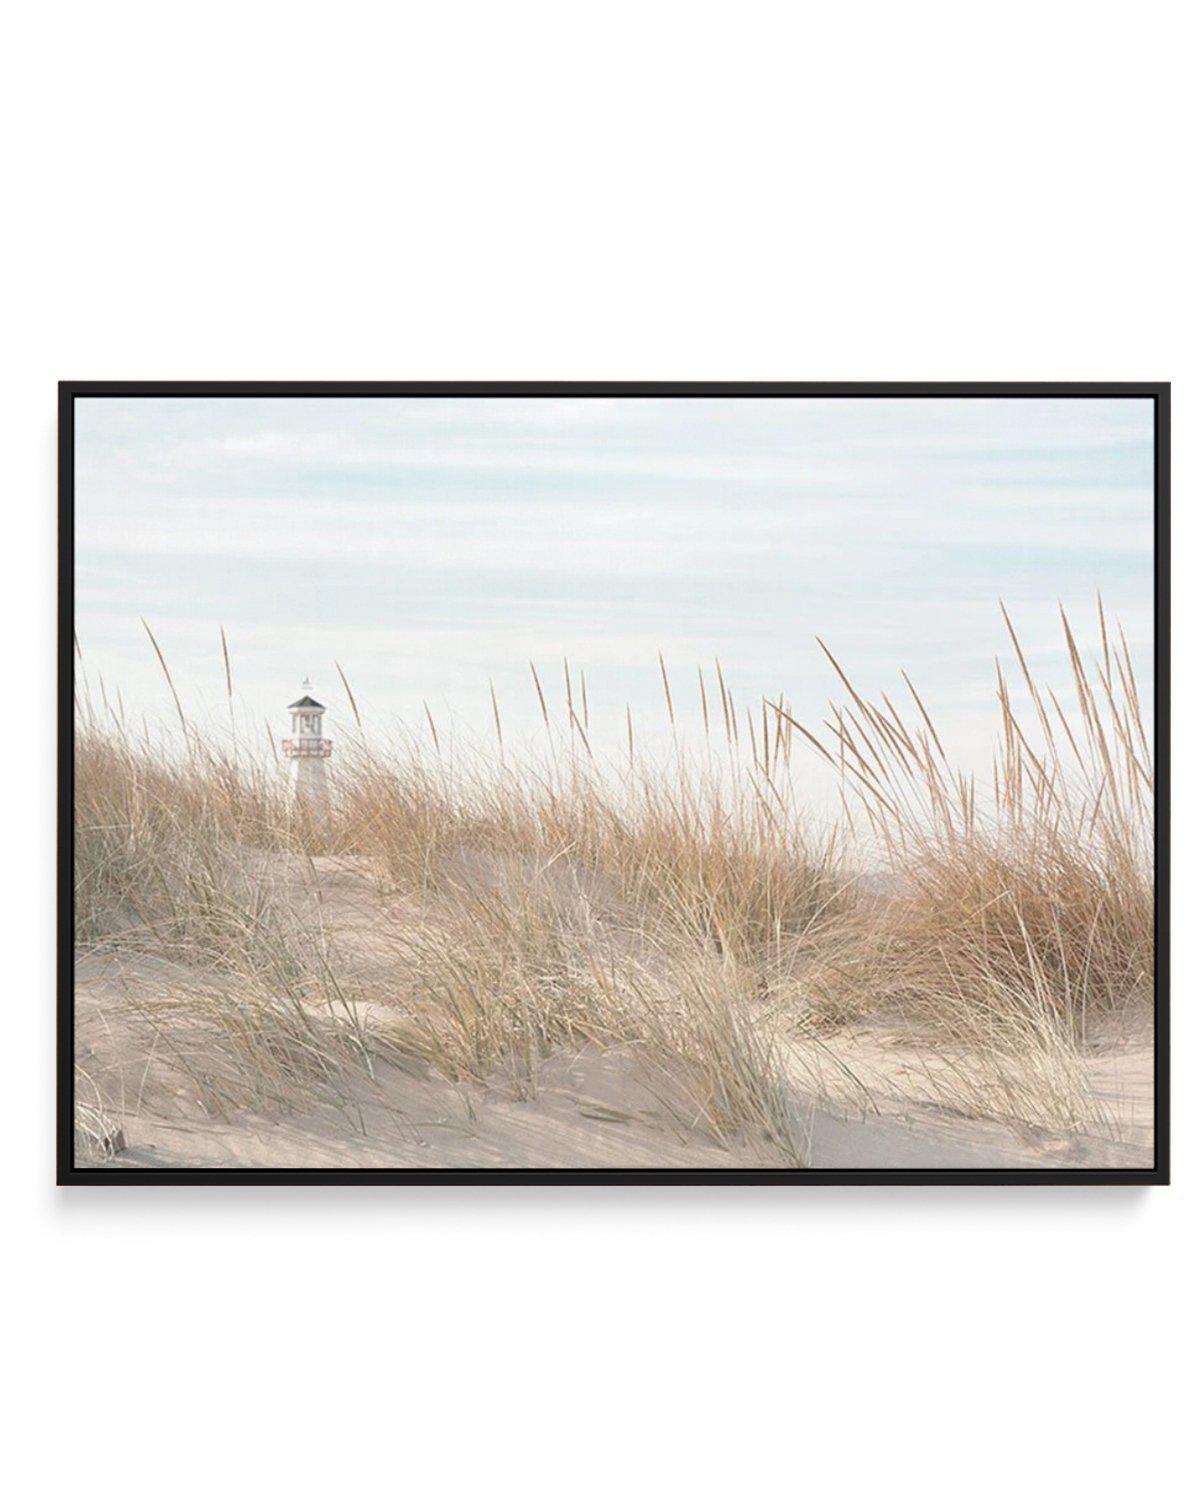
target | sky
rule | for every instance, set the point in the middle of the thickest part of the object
(436, 546)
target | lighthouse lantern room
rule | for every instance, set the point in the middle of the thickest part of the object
(307, 748)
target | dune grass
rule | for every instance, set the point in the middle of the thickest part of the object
(553, 909)
(1036, 897)
(686, 910)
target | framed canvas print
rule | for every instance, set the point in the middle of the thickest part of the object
(613, 782)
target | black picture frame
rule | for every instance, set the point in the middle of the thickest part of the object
(67, 1172)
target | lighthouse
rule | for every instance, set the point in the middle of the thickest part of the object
(308, 750)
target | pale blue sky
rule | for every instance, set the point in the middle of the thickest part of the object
(430, 545)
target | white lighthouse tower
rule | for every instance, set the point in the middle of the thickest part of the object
(308, 750)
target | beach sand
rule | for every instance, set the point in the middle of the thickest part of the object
(863, 1097)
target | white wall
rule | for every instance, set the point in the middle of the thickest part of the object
(626, 190)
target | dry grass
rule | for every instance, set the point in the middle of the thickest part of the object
(548, 907)
(1023, 921)
(684, 910)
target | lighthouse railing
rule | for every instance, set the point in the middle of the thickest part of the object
(308, 745)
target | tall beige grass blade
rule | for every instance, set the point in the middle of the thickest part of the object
(537, 683)
(437, 745)
(582, 733)
(929, 725)
(166, 671)
(228, 668)
(496, 719)
(349, 695)
(662, 667)
(725, 702)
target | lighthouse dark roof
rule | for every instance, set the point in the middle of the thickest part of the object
(306, 703)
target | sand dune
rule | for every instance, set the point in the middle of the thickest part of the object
(860, 1097)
